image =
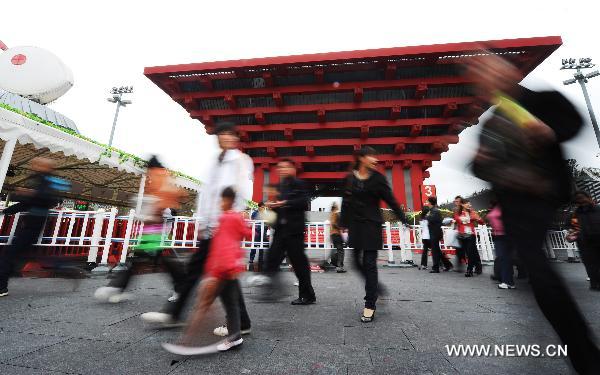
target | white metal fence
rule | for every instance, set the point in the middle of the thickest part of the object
(101, 233)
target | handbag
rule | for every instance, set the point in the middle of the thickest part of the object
(451, 239)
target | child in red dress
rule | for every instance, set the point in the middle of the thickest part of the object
(224, 263)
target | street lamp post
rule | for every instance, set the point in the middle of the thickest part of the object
(583, 63)
(117, 97)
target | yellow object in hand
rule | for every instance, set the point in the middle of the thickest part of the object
(515, 112)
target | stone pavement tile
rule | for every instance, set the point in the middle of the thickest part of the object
(143, 357)
(13, 345)
(410, 361)
(514, 365)
(88, 311)
(305, 358)
(245, 360)
(18, 370)
(129, 330)
(74, 355)
(377, 337)
(304, 332)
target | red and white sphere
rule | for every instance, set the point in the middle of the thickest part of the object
(34, 73)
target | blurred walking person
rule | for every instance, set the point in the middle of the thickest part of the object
(159, 195)
(337, 257)
(288, 239)
(585, 225)
(461, 252)
(425, 238)
(224, 263)
(232, 168)
(504, 254)
(36, 203)
(434, 226)
(465, 219)
(365, 188)
(520, 155)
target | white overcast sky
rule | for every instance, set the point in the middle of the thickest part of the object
(108, 43)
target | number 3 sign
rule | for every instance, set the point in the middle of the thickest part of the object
(427, 191)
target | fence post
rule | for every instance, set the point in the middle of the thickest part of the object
(13, 228)
(390, 246)
(96, 233)
(103, 266)
(126, 239)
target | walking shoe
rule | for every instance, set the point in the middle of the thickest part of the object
(189, 350)
(174, 297)
(258, 280)
(423, 268)
(304, 301)
(106, 292)
(506, 286)
(296, 283)
(164, 319)
(120, 297)
(223, 331)
(228, 345)
(340, 270)
(368, 315)
(479, 269)
(469, 274)
(4, 292)
(434, 271)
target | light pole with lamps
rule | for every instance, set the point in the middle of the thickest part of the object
(117, 97)
(583, 63)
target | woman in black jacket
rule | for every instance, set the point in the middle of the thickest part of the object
(361, 214)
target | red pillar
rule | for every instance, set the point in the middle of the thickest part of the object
(273, 174)
(259, 180)
(398, 184)
(416, 176)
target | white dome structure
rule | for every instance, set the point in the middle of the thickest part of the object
(34, 73)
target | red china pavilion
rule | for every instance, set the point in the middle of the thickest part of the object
(409, 103)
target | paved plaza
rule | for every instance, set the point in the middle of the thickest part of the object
(47, 329)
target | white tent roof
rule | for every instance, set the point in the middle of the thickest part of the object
(79, 160)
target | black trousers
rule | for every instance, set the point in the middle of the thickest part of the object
(526, 221)
(590, 255)
(426, 249)
(366, 263)
(337, 258)
(438, 255)
(470, 246)
(26, 235)
(188, 281)
(293, 246)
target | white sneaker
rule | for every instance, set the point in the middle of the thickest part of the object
(224, 332)
(506, 286)
(116, 298)
(258, 280)
(227, 345)
(296, 283)
(174, 297)
(106, 292)
(159, 318)
(587, 279)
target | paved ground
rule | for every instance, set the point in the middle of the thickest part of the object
(46, 329)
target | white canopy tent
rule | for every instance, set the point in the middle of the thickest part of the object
(110, 178)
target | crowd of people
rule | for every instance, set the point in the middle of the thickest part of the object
(519, 155)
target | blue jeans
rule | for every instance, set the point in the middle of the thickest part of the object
(504, 254)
